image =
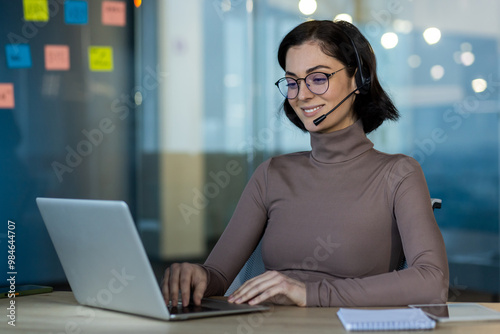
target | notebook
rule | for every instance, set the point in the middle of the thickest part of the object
(390, 319)
(106, 265)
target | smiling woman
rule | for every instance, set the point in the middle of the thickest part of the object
(368, 205)
(337, 44)
(308, 104)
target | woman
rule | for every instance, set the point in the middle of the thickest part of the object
(336, 221)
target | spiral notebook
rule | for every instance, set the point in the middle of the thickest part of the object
(390, 319)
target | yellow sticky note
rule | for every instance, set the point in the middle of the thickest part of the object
(101, 58)
(36, 10)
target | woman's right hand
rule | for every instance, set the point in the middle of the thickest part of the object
(184, 277)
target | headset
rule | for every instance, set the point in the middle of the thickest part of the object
(362, 81)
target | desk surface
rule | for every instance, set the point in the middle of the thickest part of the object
(58, 312)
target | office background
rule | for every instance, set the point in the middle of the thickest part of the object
(170, 106)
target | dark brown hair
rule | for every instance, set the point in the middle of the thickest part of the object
(334, 39)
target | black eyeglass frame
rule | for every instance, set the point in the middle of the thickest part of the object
(328, 76)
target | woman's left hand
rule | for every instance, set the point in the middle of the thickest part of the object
(271, 286)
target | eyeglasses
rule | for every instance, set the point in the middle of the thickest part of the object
(316, 82)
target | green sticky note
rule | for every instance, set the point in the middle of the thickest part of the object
(101, 58)
(36, 10)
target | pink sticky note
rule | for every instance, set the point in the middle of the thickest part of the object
(57, 57)
(6, 95)
(114, 13)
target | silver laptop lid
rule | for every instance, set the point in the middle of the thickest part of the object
(102, 273)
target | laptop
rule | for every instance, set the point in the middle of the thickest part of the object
(106, 265)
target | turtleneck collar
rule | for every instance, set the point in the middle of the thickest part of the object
(341, 145)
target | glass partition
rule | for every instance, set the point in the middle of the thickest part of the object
(439, 61)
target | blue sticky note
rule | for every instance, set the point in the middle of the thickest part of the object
(18, 55)
(76, 12)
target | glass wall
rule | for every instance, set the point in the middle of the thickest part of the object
(67, 121)
(438, 60)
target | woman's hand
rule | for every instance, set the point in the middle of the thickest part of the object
(271, 286)
(184, 277)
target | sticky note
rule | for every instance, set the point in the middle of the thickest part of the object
(6, 95)
(57, 57)
(76, 12)
(36, 10)
(18, 55)
(114, 13)
(101, 58)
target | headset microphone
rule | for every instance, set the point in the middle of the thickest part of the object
(362, 82)
(322, 117)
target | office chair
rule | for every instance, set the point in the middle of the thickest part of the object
(255, 265)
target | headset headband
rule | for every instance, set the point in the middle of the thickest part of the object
(362, 80)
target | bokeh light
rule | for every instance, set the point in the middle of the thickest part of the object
(432, 35)
(307, 7)
(414, 61)
(389, 40)
(479, 85)
(343, 17)
(437, 72)
(467, 58)
(402, 26)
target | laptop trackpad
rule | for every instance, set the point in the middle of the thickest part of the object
(191, 308)
(208, 305)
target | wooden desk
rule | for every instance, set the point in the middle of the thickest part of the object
(58, 312)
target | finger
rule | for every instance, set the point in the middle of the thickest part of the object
(199, 291)
(251, 296)
(255, 286)
(272, 291)
(174, 283)
(164, 285)
(186, 276)
(256, 281)
(238, 293)
(286, 291)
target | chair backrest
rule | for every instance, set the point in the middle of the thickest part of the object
(255, 265)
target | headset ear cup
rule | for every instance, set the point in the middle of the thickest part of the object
(359, 81)
(362, 78)
(363, 83)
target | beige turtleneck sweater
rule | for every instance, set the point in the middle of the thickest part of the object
(338, 218)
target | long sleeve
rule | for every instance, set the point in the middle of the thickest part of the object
(426, 278)
(339, 219)
(241, 235)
